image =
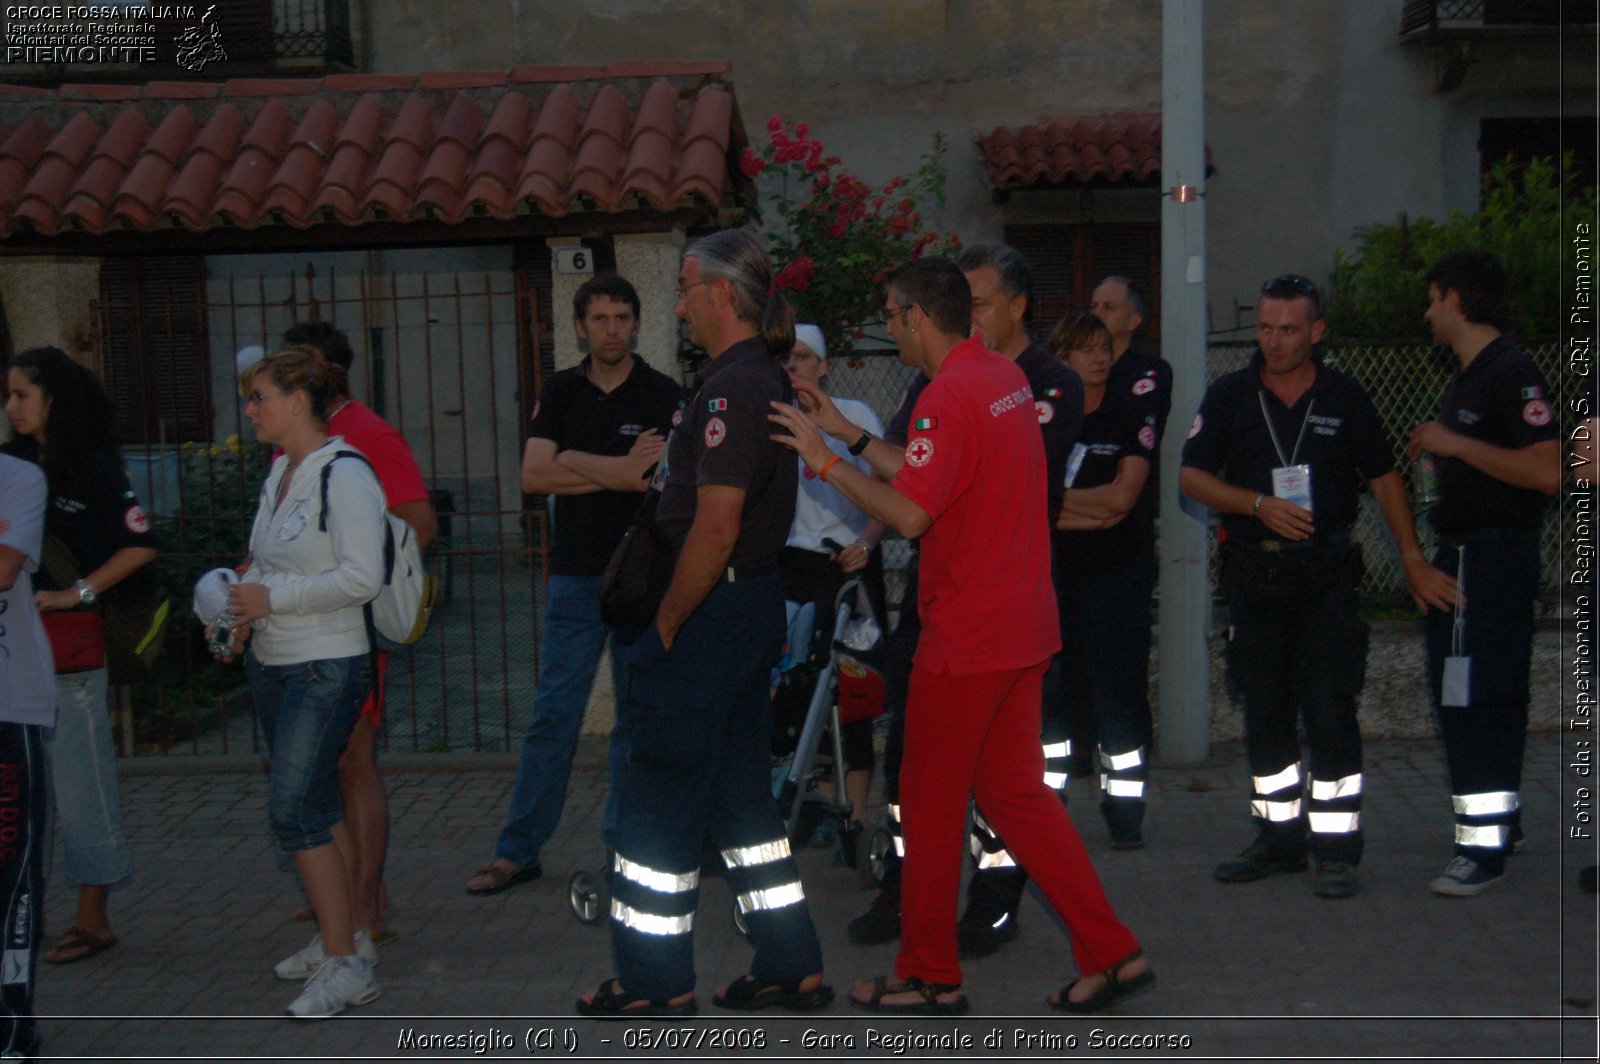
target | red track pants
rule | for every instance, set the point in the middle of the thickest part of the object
(977, 736)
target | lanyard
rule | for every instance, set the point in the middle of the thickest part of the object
(1458, 627)
(1289, 461)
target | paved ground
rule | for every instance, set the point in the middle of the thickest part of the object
(1262, 970)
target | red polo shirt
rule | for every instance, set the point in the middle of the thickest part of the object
(975, 464)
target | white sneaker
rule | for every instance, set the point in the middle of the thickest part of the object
(340, 981)
(300, 966)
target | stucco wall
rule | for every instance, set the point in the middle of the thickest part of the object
(1319, 119)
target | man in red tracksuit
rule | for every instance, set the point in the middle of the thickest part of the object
(971, 484)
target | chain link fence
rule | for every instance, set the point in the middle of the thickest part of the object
(1405, 381)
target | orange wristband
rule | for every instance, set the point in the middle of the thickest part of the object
(822, 474)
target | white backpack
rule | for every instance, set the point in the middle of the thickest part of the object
(404, 604)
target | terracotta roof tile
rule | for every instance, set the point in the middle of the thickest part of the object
(1108, 149)
(462, 79)
(355, 148)
(655, 68)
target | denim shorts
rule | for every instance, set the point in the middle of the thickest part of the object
(83, 781)
(306, 712)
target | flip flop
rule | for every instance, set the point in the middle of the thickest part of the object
(930, 1005)
(610, 1002)
(78, 944)
(747, 993)
(1114, 991)
(501, 879)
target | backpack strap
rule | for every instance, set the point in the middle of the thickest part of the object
(388, 549)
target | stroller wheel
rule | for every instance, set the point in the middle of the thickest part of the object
(738, 921)
(878, 851)
(587, 897)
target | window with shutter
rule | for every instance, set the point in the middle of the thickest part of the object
(1069, 260)
(154, 354)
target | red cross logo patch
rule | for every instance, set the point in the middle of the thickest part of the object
(1045, 411)
(1536, 413)
(136, 520)
(716, 432)
(1144, 386)
(919, 451)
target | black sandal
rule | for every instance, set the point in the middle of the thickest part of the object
(1114, 991)
(930, 1005)
(747, 993)
(611, 1003)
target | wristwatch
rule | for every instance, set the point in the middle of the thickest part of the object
(86, 594)
(860, 444)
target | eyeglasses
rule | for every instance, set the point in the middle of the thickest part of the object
(1290, 284)
(682, 290)
(891, 313)
(257, 398)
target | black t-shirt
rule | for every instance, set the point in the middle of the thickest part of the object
(578, 416)
(94, 512)
(1344, 444)
(1499, 398)
(1114, 430)
(724, 438)
(899, 429)
(1058, 401)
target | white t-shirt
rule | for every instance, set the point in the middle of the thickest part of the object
(27, 669)
(820, 511)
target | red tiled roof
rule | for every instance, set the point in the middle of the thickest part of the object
(1101, 149)
(445, 145)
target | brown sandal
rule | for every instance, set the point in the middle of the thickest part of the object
(1114, 991)
(502, 876)
(930, 1005)
(79, 944)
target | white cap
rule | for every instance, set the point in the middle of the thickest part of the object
(811, 336)
(211, 593)
(247, 357)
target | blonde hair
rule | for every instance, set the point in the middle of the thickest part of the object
(296, 369)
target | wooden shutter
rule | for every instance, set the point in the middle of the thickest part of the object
(154, 354)
(1069, 260)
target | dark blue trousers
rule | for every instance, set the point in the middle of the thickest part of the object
(699, 770)
(1483, 741)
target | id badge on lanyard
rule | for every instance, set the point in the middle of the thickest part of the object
(1075, 463)
(1456, 691)
(1291, 480)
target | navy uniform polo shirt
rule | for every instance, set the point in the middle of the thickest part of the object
(1501, 399)
(1116, 429)
(1058, 402)
(724, 438)
(578, 416)
(1147, 380)
(1344, 443)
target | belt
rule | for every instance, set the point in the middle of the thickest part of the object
(1455, 541)
(1327, 540)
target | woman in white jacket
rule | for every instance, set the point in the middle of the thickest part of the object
(300, 605)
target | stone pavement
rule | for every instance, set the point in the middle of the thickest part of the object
(1262, 970)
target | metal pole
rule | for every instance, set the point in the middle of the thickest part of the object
(1185, 679)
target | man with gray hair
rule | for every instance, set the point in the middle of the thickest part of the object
(697, 711)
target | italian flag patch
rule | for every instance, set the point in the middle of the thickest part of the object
(1052, 393)
(923, 424)
(717, 405)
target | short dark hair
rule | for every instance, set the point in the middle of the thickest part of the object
(1135, 300)
(323, 336)
(1479, 279)
(938, 286)
(1016, 276)
(1075, 331)
(604, 284)
(1294, 286)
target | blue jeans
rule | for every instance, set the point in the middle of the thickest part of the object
(306, 711)
(574, 638)
(83, 778)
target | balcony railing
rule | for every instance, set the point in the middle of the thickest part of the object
(1420, 19)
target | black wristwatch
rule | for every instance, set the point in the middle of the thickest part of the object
(861, 444)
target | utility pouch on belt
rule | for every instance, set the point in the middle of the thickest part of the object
(636, 578)
(1284, 578)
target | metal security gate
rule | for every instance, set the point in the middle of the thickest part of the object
(452, 359)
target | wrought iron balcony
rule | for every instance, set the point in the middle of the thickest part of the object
(1439, 19)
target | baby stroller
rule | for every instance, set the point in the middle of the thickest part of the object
(830, 677)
